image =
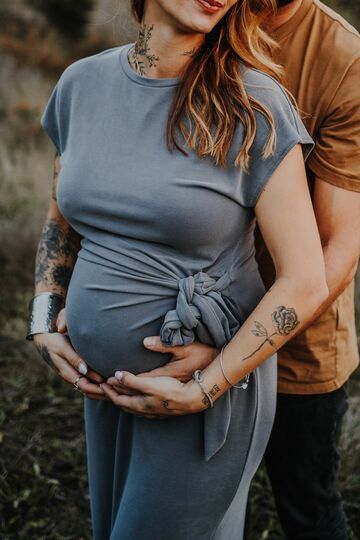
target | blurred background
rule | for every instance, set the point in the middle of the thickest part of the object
(43, 483)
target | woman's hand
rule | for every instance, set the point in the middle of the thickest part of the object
(59, 354)
(155, 397)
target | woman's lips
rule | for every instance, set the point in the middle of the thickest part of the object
(211, 6)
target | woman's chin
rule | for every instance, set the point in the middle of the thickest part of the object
(198, 23)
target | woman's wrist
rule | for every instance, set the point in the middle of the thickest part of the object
(194, 397)
(213, 382)
(44, 308)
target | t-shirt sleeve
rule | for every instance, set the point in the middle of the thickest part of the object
(336, 158)
(289, 130)
(53, 118)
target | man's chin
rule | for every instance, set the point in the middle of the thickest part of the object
(282, 3)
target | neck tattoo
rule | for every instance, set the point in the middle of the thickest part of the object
(190, 53)
(140, 56)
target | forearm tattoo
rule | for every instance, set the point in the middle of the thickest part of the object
(55, 256)
(140, 56)
(55, 176)
(284, 321)
(212, 392)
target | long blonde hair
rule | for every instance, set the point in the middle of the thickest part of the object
(211, 95)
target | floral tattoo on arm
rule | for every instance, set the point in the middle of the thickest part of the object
(284, 321)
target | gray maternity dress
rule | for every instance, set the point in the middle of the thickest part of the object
(167, 248)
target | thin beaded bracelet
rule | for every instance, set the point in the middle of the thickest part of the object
(244, 385)
(198, 378)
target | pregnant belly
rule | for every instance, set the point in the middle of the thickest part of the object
(108, 316)
(110, 308)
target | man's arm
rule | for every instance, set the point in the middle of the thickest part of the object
(337, 212)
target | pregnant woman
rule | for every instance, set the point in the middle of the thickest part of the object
(170, 149)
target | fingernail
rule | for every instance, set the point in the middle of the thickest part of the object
(83, 368)
(149, 341)
(119, 375)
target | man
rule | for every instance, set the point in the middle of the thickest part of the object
(320, 52)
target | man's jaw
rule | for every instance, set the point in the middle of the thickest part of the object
(282, 3)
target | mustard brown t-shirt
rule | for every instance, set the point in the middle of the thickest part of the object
(320, 52)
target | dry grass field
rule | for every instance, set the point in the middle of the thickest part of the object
(43, 484)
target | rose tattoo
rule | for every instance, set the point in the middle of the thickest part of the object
(284, 321)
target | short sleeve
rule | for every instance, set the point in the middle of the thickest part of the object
(336, 158)
(51, 118)
(289, 130)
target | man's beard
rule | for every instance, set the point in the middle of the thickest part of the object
(281, 3)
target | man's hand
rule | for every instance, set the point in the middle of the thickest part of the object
(185, 360)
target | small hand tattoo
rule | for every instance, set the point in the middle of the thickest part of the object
(44, 352)
(165, 404)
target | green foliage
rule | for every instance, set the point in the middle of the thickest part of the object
(69, 17)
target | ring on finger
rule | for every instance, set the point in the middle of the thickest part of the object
(76, 386)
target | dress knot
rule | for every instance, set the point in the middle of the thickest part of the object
(201, 313)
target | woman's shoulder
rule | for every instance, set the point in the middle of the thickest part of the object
(269, 92)
(274, 97)
(92, 66)
(261, 85)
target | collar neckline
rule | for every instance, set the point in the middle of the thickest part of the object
(290, 26)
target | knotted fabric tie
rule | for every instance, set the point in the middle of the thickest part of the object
(201, 313)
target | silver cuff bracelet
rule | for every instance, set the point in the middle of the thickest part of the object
(43, 311)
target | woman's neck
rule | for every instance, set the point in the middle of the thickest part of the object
(160, 49)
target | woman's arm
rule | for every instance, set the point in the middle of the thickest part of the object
(286, 218)
(55, 259)
(287, 222)
(58, 247)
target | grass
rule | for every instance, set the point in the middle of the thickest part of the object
(43, 485)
